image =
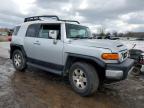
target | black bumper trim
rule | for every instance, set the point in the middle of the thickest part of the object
(124, 66)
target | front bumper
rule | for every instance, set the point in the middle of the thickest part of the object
(117, 72)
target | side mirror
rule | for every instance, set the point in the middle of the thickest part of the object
(53, 34)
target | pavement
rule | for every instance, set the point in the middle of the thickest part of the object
(4, 49)
(5, 45)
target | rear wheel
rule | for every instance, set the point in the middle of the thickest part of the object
(83, 78)
(19, 60)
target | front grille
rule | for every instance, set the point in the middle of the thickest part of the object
(124, 55)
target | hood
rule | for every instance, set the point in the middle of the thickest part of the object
(113, 45)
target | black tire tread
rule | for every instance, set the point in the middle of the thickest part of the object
(24, 66)
(94, 79)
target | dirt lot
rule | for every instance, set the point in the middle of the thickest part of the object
(38, 89)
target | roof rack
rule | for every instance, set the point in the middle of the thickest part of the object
(35, 18)
(70, 21)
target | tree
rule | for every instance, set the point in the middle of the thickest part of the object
(101, 32)
(115, 33)
(120, 34)
(129, 34)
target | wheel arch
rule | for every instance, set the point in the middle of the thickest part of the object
(95, 62)
(14, 47)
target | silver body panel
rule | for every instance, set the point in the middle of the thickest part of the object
(46, 50)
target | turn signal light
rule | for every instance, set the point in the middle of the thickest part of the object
(110, 56)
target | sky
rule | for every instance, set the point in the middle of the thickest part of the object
(113, 15)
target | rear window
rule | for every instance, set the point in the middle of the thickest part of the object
(16, 29)
(32, 30)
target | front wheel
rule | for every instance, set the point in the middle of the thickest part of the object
(19, 61)
(83, 78)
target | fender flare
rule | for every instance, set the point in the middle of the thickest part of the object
(84, 57)
(14, 47)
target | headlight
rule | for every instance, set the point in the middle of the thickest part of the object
(110, 56)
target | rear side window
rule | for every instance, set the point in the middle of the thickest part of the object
(32, 30)
(16, 29)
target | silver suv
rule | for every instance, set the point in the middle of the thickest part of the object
(66, 48)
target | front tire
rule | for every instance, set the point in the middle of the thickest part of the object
(19, 60)
(83, 78)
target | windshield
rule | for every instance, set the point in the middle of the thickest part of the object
(77, 31)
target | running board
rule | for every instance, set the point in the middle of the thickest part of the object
(45, 68)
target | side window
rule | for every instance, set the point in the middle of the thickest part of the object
(46, 29)
(32, 30)
(43, 33)
(16, 29)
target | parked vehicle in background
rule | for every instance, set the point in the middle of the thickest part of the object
(9, 38)
(136, 49)
(66, 48)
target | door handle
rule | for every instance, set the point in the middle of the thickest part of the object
(36, 43)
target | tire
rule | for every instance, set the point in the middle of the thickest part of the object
(83, 78)
(19, 60)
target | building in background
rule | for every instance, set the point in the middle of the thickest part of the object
(5, 34)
